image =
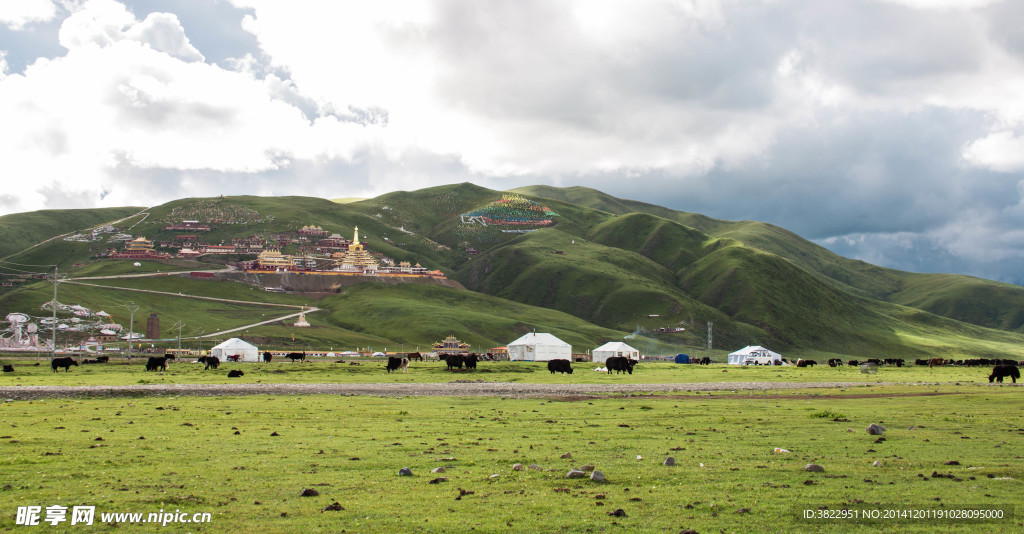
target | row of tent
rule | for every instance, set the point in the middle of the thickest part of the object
(534, 347)
(531, 347)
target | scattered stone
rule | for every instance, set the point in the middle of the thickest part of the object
(405, 472)
(518, 467)
(575, 473)
(743, 511)
(875, 429)
(952, 462)
(310, 492)
(599, 496)
(535, 467)
(618, 513)
(670, 461)
(814, 468)
(879, 440)
(588, 468)
(566, 456)
(494, 476)
(336, 507)
(597, 476)
(688, 531)
(877, 463)
(439, 480)
(438, 470)
(275, 434)
(257, 503)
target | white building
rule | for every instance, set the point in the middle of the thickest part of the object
(534, 347)
(614, 348)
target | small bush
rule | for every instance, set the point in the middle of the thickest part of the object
(828, 414)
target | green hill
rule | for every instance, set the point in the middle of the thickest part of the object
(20, 231)
(601, 268)
(963, 298)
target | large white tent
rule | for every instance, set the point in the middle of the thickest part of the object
(534, 347)
(755, 355)
(236, 347)
(614, 348)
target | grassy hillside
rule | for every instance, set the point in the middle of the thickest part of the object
(604, 268)
(359, 316)
(992, 304)
(19, 231)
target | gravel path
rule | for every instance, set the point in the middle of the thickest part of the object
(455, 388)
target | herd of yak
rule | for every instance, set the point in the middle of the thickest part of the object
(1002, 368)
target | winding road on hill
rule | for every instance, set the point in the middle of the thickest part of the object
(303, 309)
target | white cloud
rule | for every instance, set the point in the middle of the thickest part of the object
(16, 14)
(132, 95)
(102, 23)
(1000, 151)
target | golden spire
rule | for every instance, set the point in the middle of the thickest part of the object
(355, 238)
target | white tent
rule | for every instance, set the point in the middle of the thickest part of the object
(614, 348)
(534, 347)
(236, 347)
(756, 355)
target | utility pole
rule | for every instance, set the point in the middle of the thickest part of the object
(179, 324)
(132, 307)
(53, 339)
(200, 332)
(709, 334)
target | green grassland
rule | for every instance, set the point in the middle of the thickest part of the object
(121, 372)
(246, 461)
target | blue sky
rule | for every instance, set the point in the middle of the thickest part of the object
(890, 131)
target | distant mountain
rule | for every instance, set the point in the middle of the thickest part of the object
(612, 265)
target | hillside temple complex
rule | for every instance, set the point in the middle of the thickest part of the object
(353, 259)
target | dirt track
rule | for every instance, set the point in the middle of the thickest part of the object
(455, 388)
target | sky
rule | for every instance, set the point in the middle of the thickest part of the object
(890, 131)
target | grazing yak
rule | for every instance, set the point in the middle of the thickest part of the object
(8, 368)
(66, 363)
(156, 362)
(936, 362)
(267, 356)
(559, 366)
(704, 361)
(806, 363)
(454, 361)
(620, 364)
(396, 363)
(301, 356)
(235, 373)
(210, 361)
(1001, 371)
(470, 361)
(835, 362)
(102, 359)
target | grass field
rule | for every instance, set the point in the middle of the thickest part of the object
(246, 460)
(372, 370)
